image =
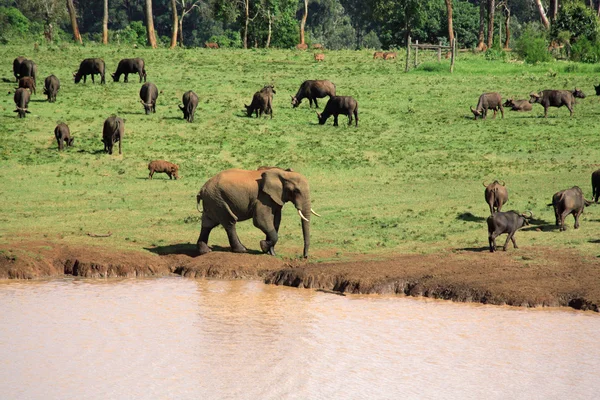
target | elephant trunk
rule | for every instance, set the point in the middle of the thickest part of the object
(305, 208)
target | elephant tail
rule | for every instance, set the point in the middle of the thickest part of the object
(198, 198)
(230, 212)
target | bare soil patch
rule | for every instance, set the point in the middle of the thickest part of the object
(539, 277)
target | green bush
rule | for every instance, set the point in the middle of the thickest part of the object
(532, 47)
(578, 19)
(229, 39)
(13, 20)
(584, 50)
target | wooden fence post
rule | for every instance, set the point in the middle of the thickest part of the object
(440, 52)
(416, 53)
(452, 55)
(407, 54)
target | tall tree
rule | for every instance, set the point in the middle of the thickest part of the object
(73, 16)
(481, 37)
(150, 25)
(553, 10)
(186, 8)
(303, 22)
(506, 24)
(491, 10)
(105, 23)
(543, 17)
(450, 27)
(175, 24)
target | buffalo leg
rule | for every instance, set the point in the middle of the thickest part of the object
(120, 152)
(93, 75)
(310, 101)
(570, 107)
(576, 215)
(502, 111)
(207, 226)
(84, 78)
(563, 215)
(492, 240)
(514, 241)
(494, 116)
(127, 79)
(545, 112)
(234, 240)
(508, 239)
(316, 104)
(335, 120)
(356, 117)
(349, 119)
(151, 174)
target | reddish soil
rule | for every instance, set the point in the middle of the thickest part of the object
(541, 277)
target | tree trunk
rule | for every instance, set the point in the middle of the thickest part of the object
(247, 20)
(181, 31)
(73, 15)
(105, 24)
(270, 29)
(553, 10)
(150, 25)
(540, 7)
(481, 38)
(303, 23)
(175, 25)
(507, 27)
(450, 28)
(491, 9)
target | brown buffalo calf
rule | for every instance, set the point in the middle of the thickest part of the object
(319, 57)
(211, 45)
(318, 46)
(378, 54)
(301, 46)
(27, 82)
(163, 166)
(389, 56)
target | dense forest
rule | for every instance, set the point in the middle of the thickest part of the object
(336, 24)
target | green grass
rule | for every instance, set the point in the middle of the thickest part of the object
(398, 183)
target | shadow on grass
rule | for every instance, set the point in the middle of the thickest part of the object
(475, 249)
(93, 151)
(594, 241)
(540, 225)
(189, 249)
(469, 217)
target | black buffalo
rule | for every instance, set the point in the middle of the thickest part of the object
(17, 66)
(313, 90)
(337, 105)
(148, 95)
(596, 185)
(63, 135)
(190, 102)
(496, 195)
(553, 98)
(112, 132)
(90, 66)
(261, 103)
(505, 222)
(130, 66)
(488, 101)
(568, 201)
(51, 87)
(28, 68)
(21, 99)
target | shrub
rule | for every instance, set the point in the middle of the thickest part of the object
(229, 39)
(532, 47)
(583, 50)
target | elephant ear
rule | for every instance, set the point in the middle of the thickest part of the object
(272, 185)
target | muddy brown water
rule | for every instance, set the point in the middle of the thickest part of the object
(174, 338)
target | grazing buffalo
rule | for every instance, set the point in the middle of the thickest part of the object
(51, 86)
(112, 132)
(596, 185)
(63, 135)
(163, 166)
(378, 54)
(269, 90)
(319, 57)
(301, 46)
(336, 105)
(488, 101)
(27, 82)
(318, 46)
(261, 102)
(130, 66)
(505, 222)
(553, 98)
(148, 95)
(17, 66)
(597, 90)
(389, 55)
(90, 66)
(190, 102)
(28, 68)
(496, 196)
(21, 99)
(518, 105)
(568, 201)
(211, 45)
(313, 90)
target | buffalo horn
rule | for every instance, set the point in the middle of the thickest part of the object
(503, 183)
(530, 214)
(537, 96)
(484, 184)
(302, 216)
(313, 211)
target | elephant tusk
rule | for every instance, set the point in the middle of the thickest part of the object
(313, 211)
(302, 216)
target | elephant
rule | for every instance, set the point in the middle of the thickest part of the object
(237, 195)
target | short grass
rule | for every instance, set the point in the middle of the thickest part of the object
(408, 179)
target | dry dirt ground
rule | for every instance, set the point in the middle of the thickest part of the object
(540, 277)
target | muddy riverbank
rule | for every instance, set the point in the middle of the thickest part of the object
(541, 277)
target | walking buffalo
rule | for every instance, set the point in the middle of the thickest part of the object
(148, 95)
(130, 66)
(518, 105)
(27, 82)
(488, 101)
(596, 185)
(505, 222)
(553, 98)
(336, 105)
(17, 66)
(163, 166)
(90, 66)
(51, 87)
(568, 201)
(190, 102)
(21, 99)
(313, 90)
(63, 135)
(28, 68)
(112, 132)
(496, 196)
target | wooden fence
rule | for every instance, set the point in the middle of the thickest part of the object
(438, 47)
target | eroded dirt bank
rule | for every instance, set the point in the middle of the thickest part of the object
(541, 277)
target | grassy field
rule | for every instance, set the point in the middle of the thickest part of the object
(407, 180)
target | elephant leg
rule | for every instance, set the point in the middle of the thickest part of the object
(234, 240)
(269, 226)
(207, 226)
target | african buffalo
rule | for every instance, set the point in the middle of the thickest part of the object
(318, 46)
(378, 54)
(389, 55)
(488, 101)
(336, 105)
(518, 105)
(319, 57)
(553, 98)
(505, 222)
(130, 66)
(312, 90)
(211, 45)
(568, 201)
(112, 132)
(63, 135)
(301, 46)
(27, 82)
(28, 68)
(261, 102)
(496, 196)
(21, 99)
(51, 87)
(17, 66)
(163, 166)
(148, 95)
(578, 94)
(190, 102)
(596, 185)
(269, 90)
(90, 66)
